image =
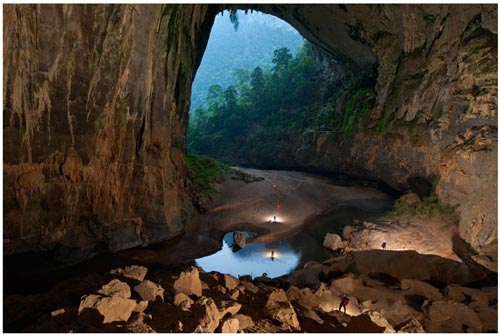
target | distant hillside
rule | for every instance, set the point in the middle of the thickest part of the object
(252, 45)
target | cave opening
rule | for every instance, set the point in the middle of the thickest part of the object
(264, 94)
(249, 81)
(93, 164)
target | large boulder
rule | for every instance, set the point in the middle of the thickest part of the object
(134, 272)
(244, 321)
(347, 284)
(148, 290)
(228, 307)
(115, 288)
(141, 306)
(189, 283)
(207, 314)
(239, 239)
(488, 317)
(279, 308)
(398, 264)
(333, 242)
(452, 317)
(183, 301)
(250, 286)
(421, 288)
(230, 282)
(461, 294)
(231, 325)
(95, 310)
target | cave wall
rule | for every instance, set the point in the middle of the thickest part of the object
(435, 115)
(95, 113)
(96, 101)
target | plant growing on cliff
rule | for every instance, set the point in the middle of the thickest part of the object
(359, 103)
(204, 171)
(430, 207)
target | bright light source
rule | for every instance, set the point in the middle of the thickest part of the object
(272, 254)
(274, 219)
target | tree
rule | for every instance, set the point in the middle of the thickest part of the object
(214, 97)
(282, 57)
(230, 99)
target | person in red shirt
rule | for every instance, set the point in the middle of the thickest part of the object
(343, 303)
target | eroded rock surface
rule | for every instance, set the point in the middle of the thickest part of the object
(96, 108)
(377, 303)
(95, 103)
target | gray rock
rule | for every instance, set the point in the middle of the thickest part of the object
(228, 307)
(115, 288)
(189, 283)
(134, 272)
(333, 242)
(207, 313)
(149, 290)
(183, 301)
(347, 232)
(460, 293)
(244, 321)
(239, 239)
(230, 282)
(422, 289)
(250, 286)
(141, 306)
(231, 325)
(451, 317)
(95, 310)
(234, 294)
(347, 284)
(488, 317)
(279, 308)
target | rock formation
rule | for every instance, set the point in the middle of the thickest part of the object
(380, 300)
(435, 114)
(96, 102)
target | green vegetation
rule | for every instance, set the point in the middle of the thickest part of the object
(203, 171)
(270, 111)
(357, 105)
(260, 116)
(429, 207)
(242, 41)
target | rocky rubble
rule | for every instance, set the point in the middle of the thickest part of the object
(388, 291)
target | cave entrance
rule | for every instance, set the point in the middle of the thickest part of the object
(253, 91)
(263, 94)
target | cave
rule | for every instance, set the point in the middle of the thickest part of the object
(96, 109)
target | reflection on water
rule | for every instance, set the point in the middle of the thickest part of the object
(274, 259)
(281, 257)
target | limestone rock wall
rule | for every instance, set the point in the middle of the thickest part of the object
(435, 114)
(96, 102)
(95, 114)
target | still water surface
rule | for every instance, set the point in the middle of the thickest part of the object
(289, 254)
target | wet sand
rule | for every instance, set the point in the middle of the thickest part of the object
(251, 207)
(294, 198)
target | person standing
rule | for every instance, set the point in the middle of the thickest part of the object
(344, 301)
